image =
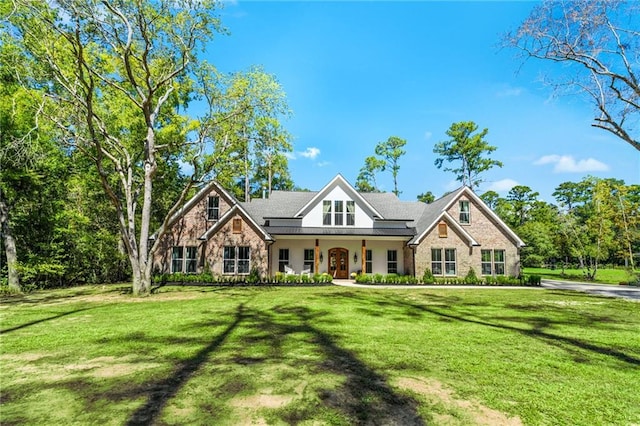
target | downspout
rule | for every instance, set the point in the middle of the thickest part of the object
(269, 244)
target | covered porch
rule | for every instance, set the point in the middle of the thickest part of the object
(340, 256)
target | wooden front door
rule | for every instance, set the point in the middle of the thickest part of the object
(339, 263)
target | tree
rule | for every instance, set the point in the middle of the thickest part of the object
(121, 76)
(490, 198)
(596, 43)
(570, 194)
(390, 151)
(366, 180)
(27, 157)
(426, 197)
(522, 199)
(271, 166)
(467, 148)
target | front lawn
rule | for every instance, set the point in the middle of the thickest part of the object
(320, 355)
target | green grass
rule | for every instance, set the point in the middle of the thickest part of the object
(330, 355)
(603, 276)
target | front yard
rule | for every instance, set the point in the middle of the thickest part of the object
(319, 355)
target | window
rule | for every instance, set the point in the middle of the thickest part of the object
(338, 213)
(449, 261)
(493, 266)
(229, 260)
(442, 230)
(436, 261)
(368, 263)
(191, 260)
(283, 259)
(465, 213)
(351, 213)
(236, 260)
(244, 256)
(177, 259)
(237, 226)
(392, 261)
(498, 261)
(182, 263)
(486, 263)
(326, 212)
(309, 259)
(213, 208)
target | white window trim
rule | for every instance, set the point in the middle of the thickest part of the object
(236, 260)
(467, 212)
(213, 209)
(184, 260)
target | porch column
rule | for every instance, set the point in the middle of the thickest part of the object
(363, 256)
(316, 258)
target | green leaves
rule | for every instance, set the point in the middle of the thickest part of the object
(467, 148)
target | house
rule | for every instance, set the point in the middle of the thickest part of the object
(338, 230)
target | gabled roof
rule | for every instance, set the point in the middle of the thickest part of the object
(346, 186)
(433, 215)
(444, 215)
(206, 189)
(420, 218)
(237, 209)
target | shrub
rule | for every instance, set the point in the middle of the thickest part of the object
(427, 277)
(363, 279)
(254, 276)
(532, 280)
(471, 277)
(291, 278)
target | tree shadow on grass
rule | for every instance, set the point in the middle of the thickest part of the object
(160, 393)
(537, 329)
(51, 318)
(364, 396)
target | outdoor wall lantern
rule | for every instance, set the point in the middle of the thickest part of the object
(321, 258)
(355, 257)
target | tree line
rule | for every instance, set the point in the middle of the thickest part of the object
(594, 221)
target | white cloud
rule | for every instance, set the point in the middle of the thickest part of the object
(323, 164)
(568, 164)
(509, 92)
(311, 152)
(503, 185)
(290, 155)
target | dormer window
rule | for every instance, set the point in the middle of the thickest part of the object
(343, 213)
(465, 213)
(338, 213)
(351, 213)
(326, 212)
(213, 208)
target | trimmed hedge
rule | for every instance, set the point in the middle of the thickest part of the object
(251, 279)
(429, 279)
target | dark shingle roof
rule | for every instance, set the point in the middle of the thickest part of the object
(285, 204)
(378, 232)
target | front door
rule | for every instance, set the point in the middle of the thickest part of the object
(339, 263)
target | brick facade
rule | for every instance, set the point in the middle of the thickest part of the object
(193, 223)
(485, 231)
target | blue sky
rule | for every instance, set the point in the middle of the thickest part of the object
(356, 73)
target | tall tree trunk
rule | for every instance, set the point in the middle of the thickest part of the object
(9, 246)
